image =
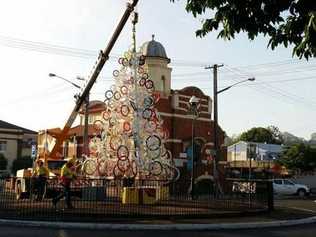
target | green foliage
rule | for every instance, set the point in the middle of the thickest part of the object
(21, 163)
(284, 22)
(299, 156)
(261, 135)
(3, 162)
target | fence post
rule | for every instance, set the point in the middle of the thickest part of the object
(270, 195)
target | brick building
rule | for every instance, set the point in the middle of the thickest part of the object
(174, 109)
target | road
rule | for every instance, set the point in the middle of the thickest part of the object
(297, 231)
(307, 204)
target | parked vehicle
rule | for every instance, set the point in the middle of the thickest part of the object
(289, 187)
(24, 183)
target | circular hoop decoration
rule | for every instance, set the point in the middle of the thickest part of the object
(122, 152)
(117, 95)
(147, 113)
(155, 168)
(172, 172)
(106, 115)
(150, 126)
(154, 154)
(116, 73)
(167, 155)
(153, 142)
(148, 101)
(124, 90)
(142, 82)
(127, 126)
(141, 60)
(89, 166)
(140, 70)
(115, 142)
(156, 96)
(94, 146)
(123, 165)
(120, 60)
(102, 167)
(124, 110)
(132, 171)
(125, 62)
(98, 125)
(154, 116)
(117, 172)
(149, 84)
(108, 95)
(145, 76)
(112, 121)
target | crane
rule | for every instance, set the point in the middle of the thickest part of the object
(102, 58)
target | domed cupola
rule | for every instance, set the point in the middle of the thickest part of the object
(157, 65)
(154, 49)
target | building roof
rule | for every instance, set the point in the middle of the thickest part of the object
(6, 125)
(242, 146)
(79, 130)
(94, 107)
(153, 49)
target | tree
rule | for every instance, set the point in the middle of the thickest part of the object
(299, 156)
(287, 22)
(259, 134)
(21, 163)
(313, 136)
(3, 162)
(276, 134)
(290, 139)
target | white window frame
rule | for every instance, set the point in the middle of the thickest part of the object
(3, 146)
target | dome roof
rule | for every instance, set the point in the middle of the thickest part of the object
(153, 49)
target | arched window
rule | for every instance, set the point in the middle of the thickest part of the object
(163, 79)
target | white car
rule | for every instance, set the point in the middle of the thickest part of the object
(288, 187)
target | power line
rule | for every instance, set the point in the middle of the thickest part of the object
(281, 93)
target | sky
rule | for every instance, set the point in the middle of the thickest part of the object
(64, 37)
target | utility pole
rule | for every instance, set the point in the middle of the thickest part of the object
(215, 122)
(86, 127)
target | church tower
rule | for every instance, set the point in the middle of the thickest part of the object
(157, 64)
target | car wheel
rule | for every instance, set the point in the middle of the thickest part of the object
(301, 193)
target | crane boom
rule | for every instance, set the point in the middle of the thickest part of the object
(103, 57)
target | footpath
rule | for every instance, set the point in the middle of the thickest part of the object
(281, 216)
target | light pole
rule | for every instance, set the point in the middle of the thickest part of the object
(86, 112)
(217, 150)
(194, 110)
(215, 123)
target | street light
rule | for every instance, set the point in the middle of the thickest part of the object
(74, 84)
(85, 133)
(228, 87)
(194, 101)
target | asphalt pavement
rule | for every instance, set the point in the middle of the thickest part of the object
(296, 231)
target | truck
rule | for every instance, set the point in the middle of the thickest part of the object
(25, 183)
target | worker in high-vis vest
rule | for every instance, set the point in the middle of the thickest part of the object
(67, 175)
(40, 174)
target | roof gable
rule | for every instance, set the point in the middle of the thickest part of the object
(6, 125)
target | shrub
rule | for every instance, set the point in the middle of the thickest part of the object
(21, 163)
(3, 162)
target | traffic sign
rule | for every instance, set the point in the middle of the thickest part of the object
(33, 151)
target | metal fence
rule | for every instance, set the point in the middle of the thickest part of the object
(101, 199)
